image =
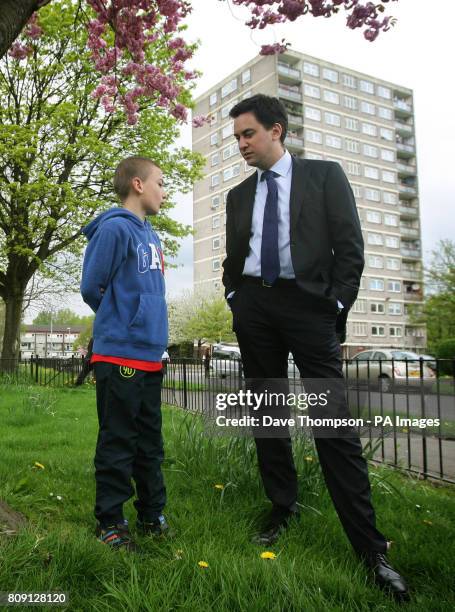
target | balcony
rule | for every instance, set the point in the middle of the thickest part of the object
(405, 150)
(407, 192)
(412, 232)
(410, 253)
(294, 142)
(290, 94)
(289, 74)
(412, 274)
(295, 120)
(408, 211)
(405, 129)
(402, 108)
(406, 169)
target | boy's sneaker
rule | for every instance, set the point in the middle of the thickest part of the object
(157, 528)
(116, 536)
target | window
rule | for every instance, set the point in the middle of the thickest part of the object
(349, 81)
(388, 155)
(384, 92)
(376, 284)
(394, 308)
(375, 239)
(359, 306)
(366, 86)
(357, 190)
(216, 243)
(246, 76)
(395, 332)
(214, 138)
(351, 124)
(230, 151)
(393, 242)
(312, 136)
(370, 150)
(389, 197)
(394, 286)
(373, 216)
(369, 129)
(312, 91)
(385, 113)
(246, 94)
(388, 177)
(215, 180)
(213, 99)
(216, 201)
(377, 307)
(377, 330)
(311, 69)
(332, 119)
(386, 134)
(216, 265)
(391, 219)
(353, 168)
(231, 172)
(333, 141)
(312, 113)
(350, 102)
(228, 130)
(367, 108)
(215, 159)
(229, 88)
(372, 194)
(359, 329)
(331, 96)
(330, 75)
(375, 261)
(313, 156)
(392, 263)
(371, 173)
(216, 221)
(225, 110)
(352, 146)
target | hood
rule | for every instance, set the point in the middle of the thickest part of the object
(90, 229)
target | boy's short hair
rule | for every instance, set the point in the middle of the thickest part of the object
(267, 110)
(129, 168)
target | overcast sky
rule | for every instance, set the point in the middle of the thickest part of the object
(415, 53)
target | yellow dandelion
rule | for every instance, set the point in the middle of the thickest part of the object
(39, 465)
(203, 564)
(219, 486)
(308, 458)
(268, 555)
(427, 522)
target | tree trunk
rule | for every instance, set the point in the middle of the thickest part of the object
(14, 14)
(11, 335)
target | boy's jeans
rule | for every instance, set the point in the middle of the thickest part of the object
(129, 443)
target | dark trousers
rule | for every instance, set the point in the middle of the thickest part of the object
(269, 323)
(129, 444)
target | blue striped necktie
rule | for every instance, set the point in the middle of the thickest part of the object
(270, 259)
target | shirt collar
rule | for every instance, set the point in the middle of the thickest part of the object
(281, 167)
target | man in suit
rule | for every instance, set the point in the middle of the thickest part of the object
(294, 258)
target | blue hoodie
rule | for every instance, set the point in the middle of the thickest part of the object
(124, 257)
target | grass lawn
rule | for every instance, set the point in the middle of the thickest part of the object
(314, 568)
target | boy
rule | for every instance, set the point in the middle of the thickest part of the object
(123, 282)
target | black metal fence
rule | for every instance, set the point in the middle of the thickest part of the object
(406, 389)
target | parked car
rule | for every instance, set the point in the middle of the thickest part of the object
(430, 361)
(388, 367)
(226, 362)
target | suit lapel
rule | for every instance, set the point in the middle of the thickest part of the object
(299, 180)
(245, 211)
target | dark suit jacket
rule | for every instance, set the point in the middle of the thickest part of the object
(326, 239)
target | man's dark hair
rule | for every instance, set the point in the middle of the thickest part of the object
(266, 109)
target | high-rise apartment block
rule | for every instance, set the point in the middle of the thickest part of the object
(363, 123)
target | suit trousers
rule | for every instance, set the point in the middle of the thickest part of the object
(130, 444)
(269, 323)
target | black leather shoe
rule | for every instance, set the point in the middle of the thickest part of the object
(277, 521)
(386, 577)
